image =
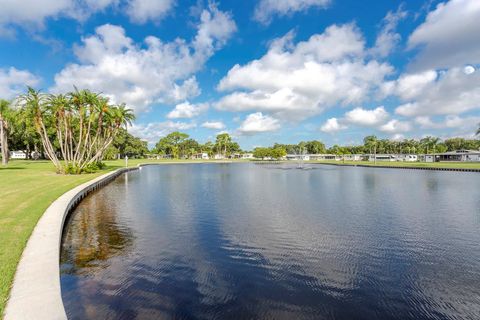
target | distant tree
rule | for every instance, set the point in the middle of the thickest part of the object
(315, 147)
(126, 144)
(208, 147)
(189, 147)
(278, 153)
(261, 152)
(170, 144)
(222, 143)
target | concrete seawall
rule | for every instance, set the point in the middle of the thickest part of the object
(36, 292)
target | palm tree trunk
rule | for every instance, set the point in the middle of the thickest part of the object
(3, 141)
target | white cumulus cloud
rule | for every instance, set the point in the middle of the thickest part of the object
(257, 123)
(449, 37)
(447, 92)
(267, 9)
(33, 13)
(365, 117)
(187, 110)
(216, 125)
(153, 131)
(141, 11)
(396, 126)
(141, 74)
(388, 38)
(14, 81)
(332, 125)
(295, 81)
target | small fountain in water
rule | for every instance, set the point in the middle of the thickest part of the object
(300, 158)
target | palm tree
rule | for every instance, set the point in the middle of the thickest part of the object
(371, 142)
(4, 114)
(35, 102)
(223, 141)
(83, 124)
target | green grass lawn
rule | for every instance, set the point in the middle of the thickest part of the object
(27, 188)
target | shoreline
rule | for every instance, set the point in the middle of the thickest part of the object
(384, 165)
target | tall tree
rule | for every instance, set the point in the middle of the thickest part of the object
(172, 144)
(4, 127)
(315, 147)
(222, 143)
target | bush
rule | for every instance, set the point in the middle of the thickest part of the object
(94, 167)
(91, 168)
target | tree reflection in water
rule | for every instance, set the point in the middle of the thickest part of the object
(93, 237)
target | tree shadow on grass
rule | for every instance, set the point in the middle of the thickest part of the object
(11, 168)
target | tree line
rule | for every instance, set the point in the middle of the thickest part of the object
(372, 144)
(179, 145)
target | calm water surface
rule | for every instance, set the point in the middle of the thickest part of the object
(243, 241)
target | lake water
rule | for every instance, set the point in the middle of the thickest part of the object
(246, 241)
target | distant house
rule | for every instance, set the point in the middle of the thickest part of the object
(297, 157)
(353, 157)
(201, 156)
(407, 157)
(218, 156)
(18, 155)
(457, 155)
(382, 157)
(247, 156)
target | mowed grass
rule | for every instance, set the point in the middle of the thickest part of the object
(27, 188)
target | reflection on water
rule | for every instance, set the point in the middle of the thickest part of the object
(244, 241)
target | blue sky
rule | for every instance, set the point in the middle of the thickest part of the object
(263, 70)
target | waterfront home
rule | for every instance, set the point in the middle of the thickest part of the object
(201, 156)
(247, 156)
(407, 157)
(218, 156)
(18, 155)
(457, 155)
(298, 157)
(320, 157)
(382, 157)
(353, 157)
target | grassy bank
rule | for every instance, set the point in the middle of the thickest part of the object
(27, 188)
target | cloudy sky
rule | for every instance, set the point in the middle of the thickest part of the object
(263, 70)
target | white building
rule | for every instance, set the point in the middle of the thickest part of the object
(407, 157)
(201, 155)
(18, 155)
(298, 157)
(218, 156)
(382, 157)
(458, 155)
(247, 156)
